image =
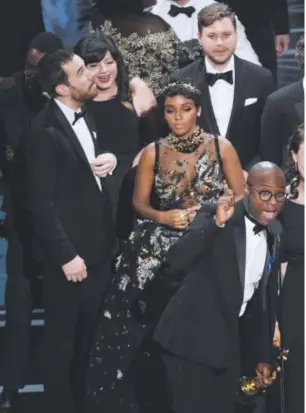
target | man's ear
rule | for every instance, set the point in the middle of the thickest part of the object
(62, 89)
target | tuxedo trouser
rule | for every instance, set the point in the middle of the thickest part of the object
(22, 271)
(197, 388)
(71, 314)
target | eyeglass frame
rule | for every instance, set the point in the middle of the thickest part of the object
(272, 194)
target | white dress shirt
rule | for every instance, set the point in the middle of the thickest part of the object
(186, 27)
(83, 134)
(256, 254)
(222, 96)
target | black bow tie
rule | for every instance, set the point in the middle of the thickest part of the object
(257, 226)
(213, 77)
(175, 11)
(77, 116)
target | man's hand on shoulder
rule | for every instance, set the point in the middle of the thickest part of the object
(143, 96)
(75, 270)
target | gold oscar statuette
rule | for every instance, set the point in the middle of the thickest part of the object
(250, 386)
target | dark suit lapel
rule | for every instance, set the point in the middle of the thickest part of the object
(68, 131)
(240, 240)
(207, 114)
(239, 91)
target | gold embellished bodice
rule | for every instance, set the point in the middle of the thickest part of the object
(152, 56)
(182, 179)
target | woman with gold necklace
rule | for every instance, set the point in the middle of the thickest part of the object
(175, 176)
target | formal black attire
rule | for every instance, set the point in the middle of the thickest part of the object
(118, 133)
(17, 102)
(262, 21)
(199, 329)
(251, 81)
(71, 216)
(292, 304)
(282, 114)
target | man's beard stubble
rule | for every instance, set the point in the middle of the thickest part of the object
(219, 62)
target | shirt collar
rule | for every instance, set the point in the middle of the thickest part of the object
(211, 69)
(166, 4)
(67, 111)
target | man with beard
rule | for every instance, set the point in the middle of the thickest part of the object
(182, 16)
(73, 225)
(233, 90)
(20, 100)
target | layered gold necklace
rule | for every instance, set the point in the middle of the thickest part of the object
(188, 144)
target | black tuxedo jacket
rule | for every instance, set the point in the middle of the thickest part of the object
(201, 321)
(71, 216)
(283, 113)
(251, 81)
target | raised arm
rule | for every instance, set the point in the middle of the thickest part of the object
(201, 235)
(143, 97)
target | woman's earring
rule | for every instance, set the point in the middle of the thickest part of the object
(296, 167)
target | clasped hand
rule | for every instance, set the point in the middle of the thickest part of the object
(179, 218)
(104, 164)
(264, 374)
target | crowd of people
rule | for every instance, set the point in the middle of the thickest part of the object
(154, 180)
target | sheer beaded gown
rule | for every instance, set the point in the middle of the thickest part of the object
(184, 177)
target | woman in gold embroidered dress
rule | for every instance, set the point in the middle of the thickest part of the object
(175, 176)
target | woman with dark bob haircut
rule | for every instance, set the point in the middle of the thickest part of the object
(116, 120)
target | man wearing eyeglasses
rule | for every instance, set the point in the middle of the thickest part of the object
(219, 323)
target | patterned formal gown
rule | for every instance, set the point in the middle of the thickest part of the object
(182, 180)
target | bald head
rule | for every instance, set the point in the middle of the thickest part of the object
(266, 191)
(263, 171)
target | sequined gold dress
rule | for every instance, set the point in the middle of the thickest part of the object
(181, 180)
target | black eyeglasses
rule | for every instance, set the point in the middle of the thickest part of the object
(265, 195)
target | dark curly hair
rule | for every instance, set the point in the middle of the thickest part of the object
(183, 87)
(93, 48)
(291, 171)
